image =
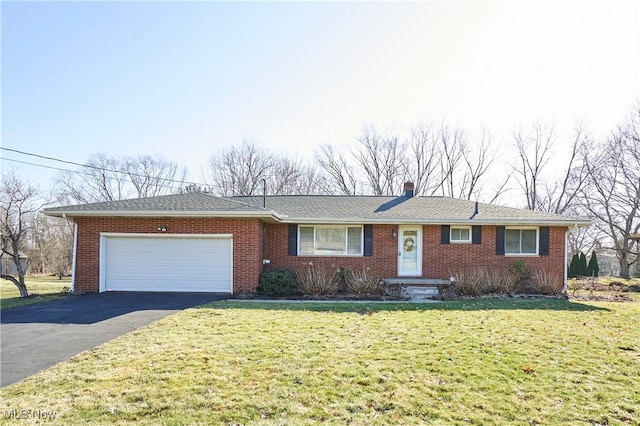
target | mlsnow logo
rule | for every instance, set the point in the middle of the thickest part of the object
(25, 414)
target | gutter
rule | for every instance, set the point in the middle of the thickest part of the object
(427, 221)
(271, 214)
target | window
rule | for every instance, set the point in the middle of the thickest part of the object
(521, 241)
(460, 234)
(330, 240)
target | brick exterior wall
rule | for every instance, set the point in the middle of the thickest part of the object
(383, 261)
(247, 244)
(438, 260)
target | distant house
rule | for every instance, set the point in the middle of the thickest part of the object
(197, 242)
(8, 266)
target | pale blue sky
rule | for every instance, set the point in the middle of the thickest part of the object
(182, 80)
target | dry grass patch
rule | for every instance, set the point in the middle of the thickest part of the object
(41, 289)
(487, 361)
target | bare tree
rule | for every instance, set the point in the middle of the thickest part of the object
(239, 170)
(477, 162)
(585, 239)
(613, 194)
(19, 202)
(244, 170)
(423, 158)
(452, 145)
(194, 187)
(382, 159)
(555, 191)
(153, 176)
(340, 178)
(51, 246)
(560, 195)
(533, 155)
(106, 178)
(100, 181)
(439, 160)
(292, 177)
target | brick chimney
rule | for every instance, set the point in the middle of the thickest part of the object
(408, 189)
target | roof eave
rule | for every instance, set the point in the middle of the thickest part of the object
(261, 214)
(275, 216)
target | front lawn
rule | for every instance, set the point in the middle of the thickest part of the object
(486, 361)
(42, 288)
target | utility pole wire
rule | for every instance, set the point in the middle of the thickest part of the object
(85, 165)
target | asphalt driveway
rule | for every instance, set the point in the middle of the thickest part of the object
(38, 336)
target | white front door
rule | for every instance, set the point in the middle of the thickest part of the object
(410, 251)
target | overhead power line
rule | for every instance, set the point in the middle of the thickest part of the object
(39, 165)
(89, 166)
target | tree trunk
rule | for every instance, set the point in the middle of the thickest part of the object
(623, 260)
(624, 268)
(18, 283)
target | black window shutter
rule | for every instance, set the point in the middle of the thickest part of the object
(476, 234)
(543, 249)
(499, 239)
(293, 240)
(445, 234)
(368, 240)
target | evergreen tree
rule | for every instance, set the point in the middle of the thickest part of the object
(573, 266)
(583, 268)
(593, 267)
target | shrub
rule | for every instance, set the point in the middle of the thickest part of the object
(480, 281)
(499, 281)
(521, 273)
(318, 280)
(363, 282)
(573, 266)
(468, 282)
(544, 282)
(277, 282)
(592, 267)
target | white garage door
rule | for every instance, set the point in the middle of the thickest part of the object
(166, 263)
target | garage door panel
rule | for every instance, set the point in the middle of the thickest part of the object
(171, 263)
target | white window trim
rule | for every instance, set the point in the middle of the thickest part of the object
(523, 228)
(452, 241)
(361, 254)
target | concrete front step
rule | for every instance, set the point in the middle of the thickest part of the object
(415, 288)
(414, 292)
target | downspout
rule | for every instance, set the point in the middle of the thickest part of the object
(566, 258)
(264, 246)
(265, 261)
(75, 248)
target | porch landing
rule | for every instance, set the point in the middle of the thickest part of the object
(416, 281)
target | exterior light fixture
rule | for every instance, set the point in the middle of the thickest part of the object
(394, 233)
(162, 228)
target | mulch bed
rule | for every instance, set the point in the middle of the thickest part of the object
(610, 297)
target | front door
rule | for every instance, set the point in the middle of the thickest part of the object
(410, 251)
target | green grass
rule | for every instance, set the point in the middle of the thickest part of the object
(41, 289)
(489, 361)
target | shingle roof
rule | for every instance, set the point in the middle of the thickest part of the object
(320, 208)
(188, 203)
(311, 208)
